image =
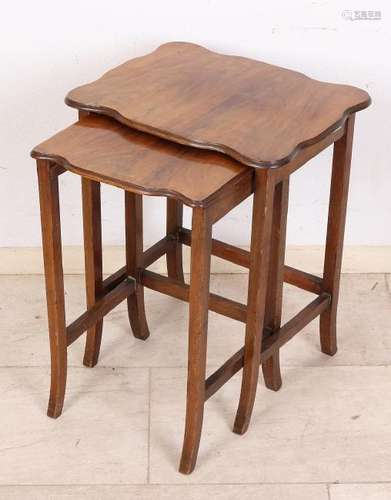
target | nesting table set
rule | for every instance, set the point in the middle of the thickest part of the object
(208, 131)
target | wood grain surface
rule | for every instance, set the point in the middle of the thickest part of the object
(259, 114)
(102, 149)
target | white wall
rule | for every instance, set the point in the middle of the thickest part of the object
(47, 48)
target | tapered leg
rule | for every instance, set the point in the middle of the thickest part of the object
(134, 262)
(335, 236)
(92, 226)
(258, 277)
(52, 254)
(201, 244)
(273, 310)
(174, 253)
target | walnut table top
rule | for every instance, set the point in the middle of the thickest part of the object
(261, 115)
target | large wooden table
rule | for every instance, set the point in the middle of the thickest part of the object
(207, 130)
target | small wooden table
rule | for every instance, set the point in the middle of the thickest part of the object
(205, 130)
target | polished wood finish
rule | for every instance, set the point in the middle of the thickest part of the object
(99, 303)
(179, 290)
(335, 235)
(101, 307)
(221, 249)
(153, 253)
(174, 252)
(259, 116)
(52, 255)
(191, 95)
(295, 325)
(262, 314)
(103, 150)
(303, 280)
(113, 280)
(92, 227)
(271, 366)
(306, 154)
(134, 263)
(234, 193)
(198, 327)
(256, 298)
(270, 345)
(156, 251)
(241, 257)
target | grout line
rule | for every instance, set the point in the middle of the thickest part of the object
(29, 485)
(149, 425)
(328, 491)
(214, 273)
(387, 283)
(212, 367)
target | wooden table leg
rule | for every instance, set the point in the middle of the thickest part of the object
(201, 245)
(335, 235)
(271, 366)
(174, 253)
(92, 226)
(134, 262)
(52, 254)
(258, 277)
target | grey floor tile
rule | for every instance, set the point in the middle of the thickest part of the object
(364, 326)
(165, 492)
(101, 437)
(360, 491)
(330, 421)
(326, 424)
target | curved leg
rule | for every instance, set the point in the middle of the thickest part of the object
(92, 227)
(272, 372)
(271, 366)
(335, 236)
(51, 242)
(198, 325)
(259, 262)
(174, 253)
(134, 262)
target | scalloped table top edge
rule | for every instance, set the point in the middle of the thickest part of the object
(259, 114)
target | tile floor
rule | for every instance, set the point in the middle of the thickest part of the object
(326, 435)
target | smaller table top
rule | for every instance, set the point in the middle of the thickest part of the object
(259, 114)
(102, 149)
